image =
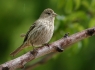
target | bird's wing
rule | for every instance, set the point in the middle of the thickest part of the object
(30, 29)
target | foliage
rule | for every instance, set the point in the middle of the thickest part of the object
(16, 16)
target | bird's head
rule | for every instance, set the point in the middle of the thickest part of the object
(48, 13)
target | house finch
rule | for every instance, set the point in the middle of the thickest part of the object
(40, 32)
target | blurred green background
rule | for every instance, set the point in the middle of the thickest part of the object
(16, 16)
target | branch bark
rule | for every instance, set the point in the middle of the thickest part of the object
(56, 46)
(40, 62)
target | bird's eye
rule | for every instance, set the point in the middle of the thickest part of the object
(48, 13)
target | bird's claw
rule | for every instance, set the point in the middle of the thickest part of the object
(34, 52)
(46, 44)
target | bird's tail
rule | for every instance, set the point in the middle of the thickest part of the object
(18, 49)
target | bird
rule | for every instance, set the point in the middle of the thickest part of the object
(40, 32)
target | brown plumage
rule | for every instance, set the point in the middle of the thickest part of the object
(40, 32)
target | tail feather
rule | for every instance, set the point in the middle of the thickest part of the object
(18, 49)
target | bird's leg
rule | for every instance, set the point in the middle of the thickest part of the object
(33, 47)
(34, 52)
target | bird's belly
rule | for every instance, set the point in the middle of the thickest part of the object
(42, 36)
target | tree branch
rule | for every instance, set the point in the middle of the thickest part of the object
(56, 46)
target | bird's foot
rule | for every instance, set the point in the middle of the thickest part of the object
(34, 52)
(46, 44)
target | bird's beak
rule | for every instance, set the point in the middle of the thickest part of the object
(54, 14)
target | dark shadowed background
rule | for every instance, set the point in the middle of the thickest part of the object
(16, 16)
